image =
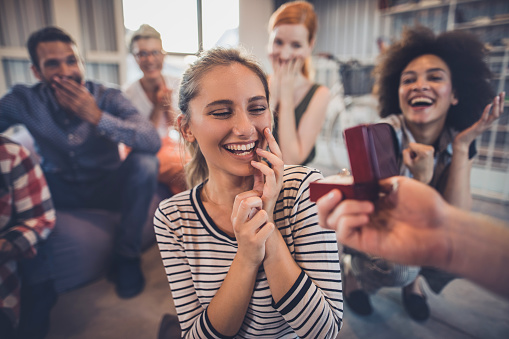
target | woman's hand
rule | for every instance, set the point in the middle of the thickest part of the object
(162, 106)
(163, 98)
(290, 71)
(251, 230)
(419, 160)
(268, 179)
(274, 83)
(491, 113)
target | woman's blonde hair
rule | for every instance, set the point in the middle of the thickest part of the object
(294, 13)
(144, 32)
(196, 169)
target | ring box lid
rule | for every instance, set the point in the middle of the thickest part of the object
(373, 153)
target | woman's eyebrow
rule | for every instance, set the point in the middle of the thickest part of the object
(407, 72)
(220, 102)
(256, 98)
(431, 70)
(436, 69)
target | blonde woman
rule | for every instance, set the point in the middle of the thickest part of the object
(243, 251)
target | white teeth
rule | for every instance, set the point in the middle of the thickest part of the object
(421, 100)
(243, 147)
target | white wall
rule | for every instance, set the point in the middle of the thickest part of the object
(253, 35)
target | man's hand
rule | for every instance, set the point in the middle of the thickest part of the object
(408, 225)
(75, 99)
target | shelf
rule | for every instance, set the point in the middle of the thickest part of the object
(473, 25)
(408, 8)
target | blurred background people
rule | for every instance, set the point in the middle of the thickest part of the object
(155, 97)
(27, 218)
(435, 91)
(77, 126)
(299, 105)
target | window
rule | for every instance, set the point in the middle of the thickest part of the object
(179, 22)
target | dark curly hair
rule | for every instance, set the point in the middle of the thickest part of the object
(465, 56)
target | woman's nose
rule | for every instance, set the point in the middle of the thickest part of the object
(421, 84)
(243, 125)
(285, 53)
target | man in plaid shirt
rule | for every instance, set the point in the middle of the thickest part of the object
(26, 219)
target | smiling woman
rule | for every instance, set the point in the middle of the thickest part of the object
(435, 91)
(242, 248)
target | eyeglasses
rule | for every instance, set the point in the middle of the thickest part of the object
(145, 54)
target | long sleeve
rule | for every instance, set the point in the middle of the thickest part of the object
(191, 312)
(197, 256)
(121, 122)
(33, 215)
(314, 306)
(76, 149)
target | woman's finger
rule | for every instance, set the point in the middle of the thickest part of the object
(269, 173)
(265, 231)
(272, 143)
(242, 215)
(244, 202)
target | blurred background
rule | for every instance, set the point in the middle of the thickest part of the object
(351, 33)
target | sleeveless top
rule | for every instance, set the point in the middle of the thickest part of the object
(299, 112)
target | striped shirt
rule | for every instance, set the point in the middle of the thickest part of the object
(197, 255)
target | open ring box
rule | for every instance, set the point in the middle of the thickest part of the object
(373, 151)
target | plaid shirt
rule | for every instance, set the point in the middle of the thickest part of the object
(26, 217)
(72, 148)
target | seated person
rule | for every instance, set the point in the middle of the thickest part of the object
(155, 97)
(435, 91)
(77, 126)
(26, 219)
(243, 251)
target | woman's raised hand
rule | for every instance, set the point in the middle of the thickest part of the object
(251, 230)
(491, 113)
(290, 71)
(268, 178)
(419, 160)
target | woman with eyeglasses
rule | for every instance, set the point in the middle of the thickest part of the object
(155, 96)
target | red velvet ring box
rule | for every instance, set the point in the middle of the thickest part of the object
(373, 152)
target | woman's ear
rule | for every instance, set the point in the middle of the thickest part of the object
(312, 43)
(184, 129)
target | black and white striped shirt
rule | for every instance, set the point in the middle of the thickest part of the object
(197, 256)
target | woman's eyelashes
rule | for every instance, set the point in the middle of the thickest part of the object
(258, 110)
(221, 114)
(434, 77)
(226, 113)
